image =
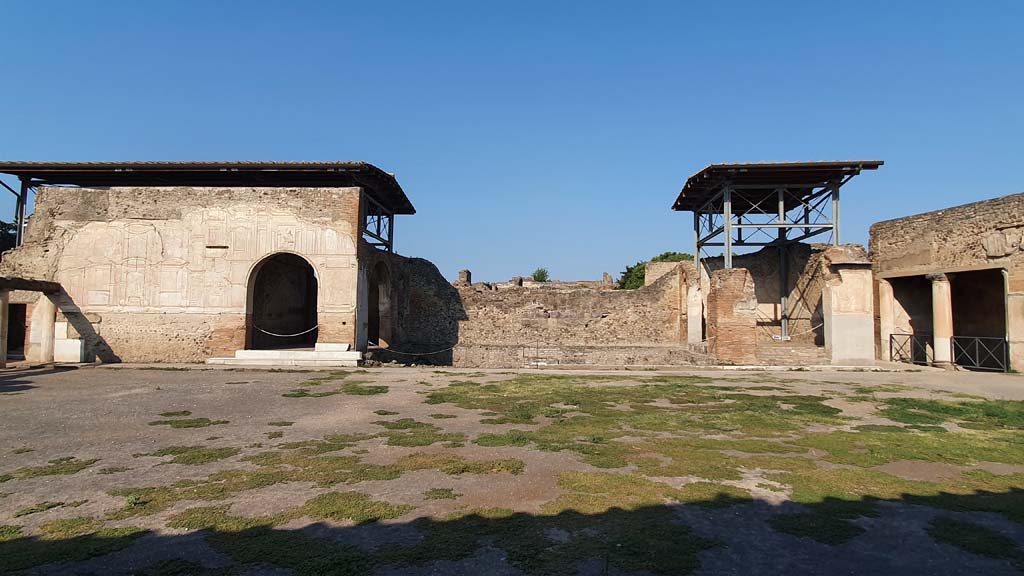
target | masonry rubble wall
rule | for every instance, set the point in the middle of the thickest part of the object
(160, 274)
(509, 324)
(985, 235)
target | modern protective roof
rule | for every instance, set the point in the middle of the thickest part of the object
(797, 177)
(382, 186)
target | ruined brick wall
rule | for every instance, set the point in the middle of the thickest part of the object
(155, 274)
(806, 282)
(732, 316)
(571, 323)
(425, 309)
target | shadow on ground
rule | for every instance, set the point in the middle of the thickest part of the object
(942, 534)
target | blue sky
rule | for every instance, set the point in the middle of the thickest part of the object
(529, 133)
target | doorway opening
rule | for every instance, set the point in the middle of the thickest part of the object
(16, 331)
(378, 330)
(282, 304)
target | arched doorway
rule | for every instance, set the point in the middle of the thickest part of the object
(282, 303)
(378, 330)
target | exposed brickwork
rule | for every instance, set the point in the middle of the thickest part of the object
(732, 316)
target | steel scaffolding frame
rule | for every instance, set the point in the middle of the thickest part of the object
(760, 215)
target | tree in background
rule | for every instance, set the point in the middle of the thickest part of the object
(7, 233)
(633, 277)
(540, 275)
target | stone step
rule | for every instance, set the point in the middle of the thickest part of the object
(281, 363)
(295, 355)
(331, 356)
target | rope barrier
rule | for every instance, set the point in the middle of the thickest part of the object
(286, 335)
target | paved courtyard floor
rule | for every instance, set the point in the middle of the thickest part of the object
(418, 471)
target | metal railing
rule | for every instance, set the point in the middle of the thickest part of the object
(971, 352)
(981, 353)
(911, 348)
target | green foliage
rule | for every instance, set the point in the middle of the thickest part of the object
(541, 275)
(633, 276)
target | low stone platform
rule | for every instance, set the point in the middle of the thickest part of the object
(330, 355)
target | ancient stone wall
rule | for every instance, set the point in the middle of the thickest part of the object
(425, 309)
(161, 273)
(572, 323)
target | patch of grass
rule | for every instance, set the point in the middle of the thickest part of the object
(634, 532)
(975, 539)
(412, 433)
(359, 389)
(980, 414)
(177, 414)
(441, 494)
(385, 413)
(60, 542)
(274, 435)
(353, 506)
(188, 423)
(6, 478)
(194, 455)
(280, 423)
(510, 438)
(439, 416)
(305, 393)
(255, 541)
(872, 448)
(24, 450)
(454, 465)
(825, 529)
(57, 467)
(37, 508)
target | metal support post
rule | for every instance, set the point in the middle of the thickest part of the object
(783, 267)
(835, 214)
(19, 213)
(727, 211)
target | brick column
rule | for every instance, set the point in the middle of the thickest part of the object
(942, 320)
(732, 316)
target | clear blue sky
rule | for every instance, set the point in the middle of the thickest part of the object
(529, 133)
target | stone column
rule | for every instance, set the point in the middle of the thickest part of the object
(886, 318)
(46, 315)
(942, 320)
(5, 318)
(694, 313)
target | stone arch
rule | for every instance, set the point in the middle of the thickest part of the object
(281, 298)
(379, 324)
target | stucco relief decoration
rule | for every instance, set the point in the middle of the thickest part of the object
(1001, 243)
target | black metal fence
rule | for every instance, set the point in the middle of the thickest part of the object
(911, 348)
(971, 352)
(981, 353)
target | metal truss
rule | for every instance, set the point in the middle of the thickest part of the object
(759, 215)
(20, 206)
(378, 225)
